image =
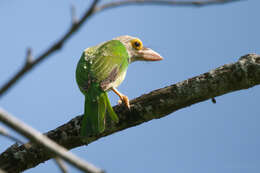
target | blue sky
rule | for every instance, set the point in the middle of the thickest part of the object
(205, 137)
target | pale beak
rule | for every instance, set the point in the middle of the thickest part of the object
(147, 54)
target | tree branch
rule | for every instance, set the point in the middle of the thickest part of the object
(228, 78)
(5, 133)
(76, 26)
(41, 141)
(61, 165)
(161, 2)
(53, 48)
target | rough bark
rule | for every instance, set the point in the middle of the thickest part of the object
(228, 78)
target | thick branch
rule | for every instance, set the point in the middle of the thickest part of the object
(29, 65)
(228, 78)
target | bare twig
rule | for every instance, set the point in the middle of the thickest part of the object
(91, 11)
(5, 133)
(162, 2)
(61, 164)
(74, 19)
(228, 78)
(29, 57)
(55, 47)
(44, 141)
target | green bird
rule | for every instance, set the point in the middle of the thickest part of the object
(103, 68)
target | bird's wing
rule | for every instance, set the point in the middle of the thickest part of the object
(108, 62)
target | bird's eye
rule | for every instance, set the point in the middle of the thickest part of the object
(137, 44)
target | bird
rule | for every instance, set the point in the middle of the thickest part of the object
(103, 68)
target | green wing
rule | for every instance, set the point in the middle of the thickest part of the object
(111, 61)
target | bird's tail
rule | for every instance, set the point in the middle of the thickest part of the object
(96, 106)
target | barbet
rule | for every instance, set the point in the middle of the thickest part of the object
(103, 68)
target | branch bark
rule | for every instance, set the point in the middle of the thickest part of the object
(159, 103)
(29, 65)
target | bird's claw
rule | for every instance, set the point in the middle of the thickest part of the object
(124, 99)
(119, 101)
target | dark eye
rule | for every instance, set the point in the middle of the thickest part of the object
(137, 44)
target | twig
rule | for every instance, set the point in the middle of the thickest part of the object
(91, 11)
(41, 139)
(74, 19)
(29, 57)
(162, 2)
(5, 133)
(55, 47)
(61, 164)
(228, 78)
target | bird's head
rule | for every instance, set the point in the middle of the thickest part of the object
(136, 50)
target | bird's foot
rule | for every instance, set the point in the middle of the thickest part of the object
(124, 99)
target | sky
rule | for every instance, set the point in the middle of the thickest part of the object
(205, 137)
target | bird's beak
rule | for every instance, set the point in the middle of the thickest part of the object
(147, 54)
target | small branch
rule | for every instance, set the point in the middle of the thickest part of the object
(61, 164)
(45, 142)
(162, 2)
(159, 103)
(5, 133)
(91, 11)
(29, 57)
(53, 48)
(74, 19)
